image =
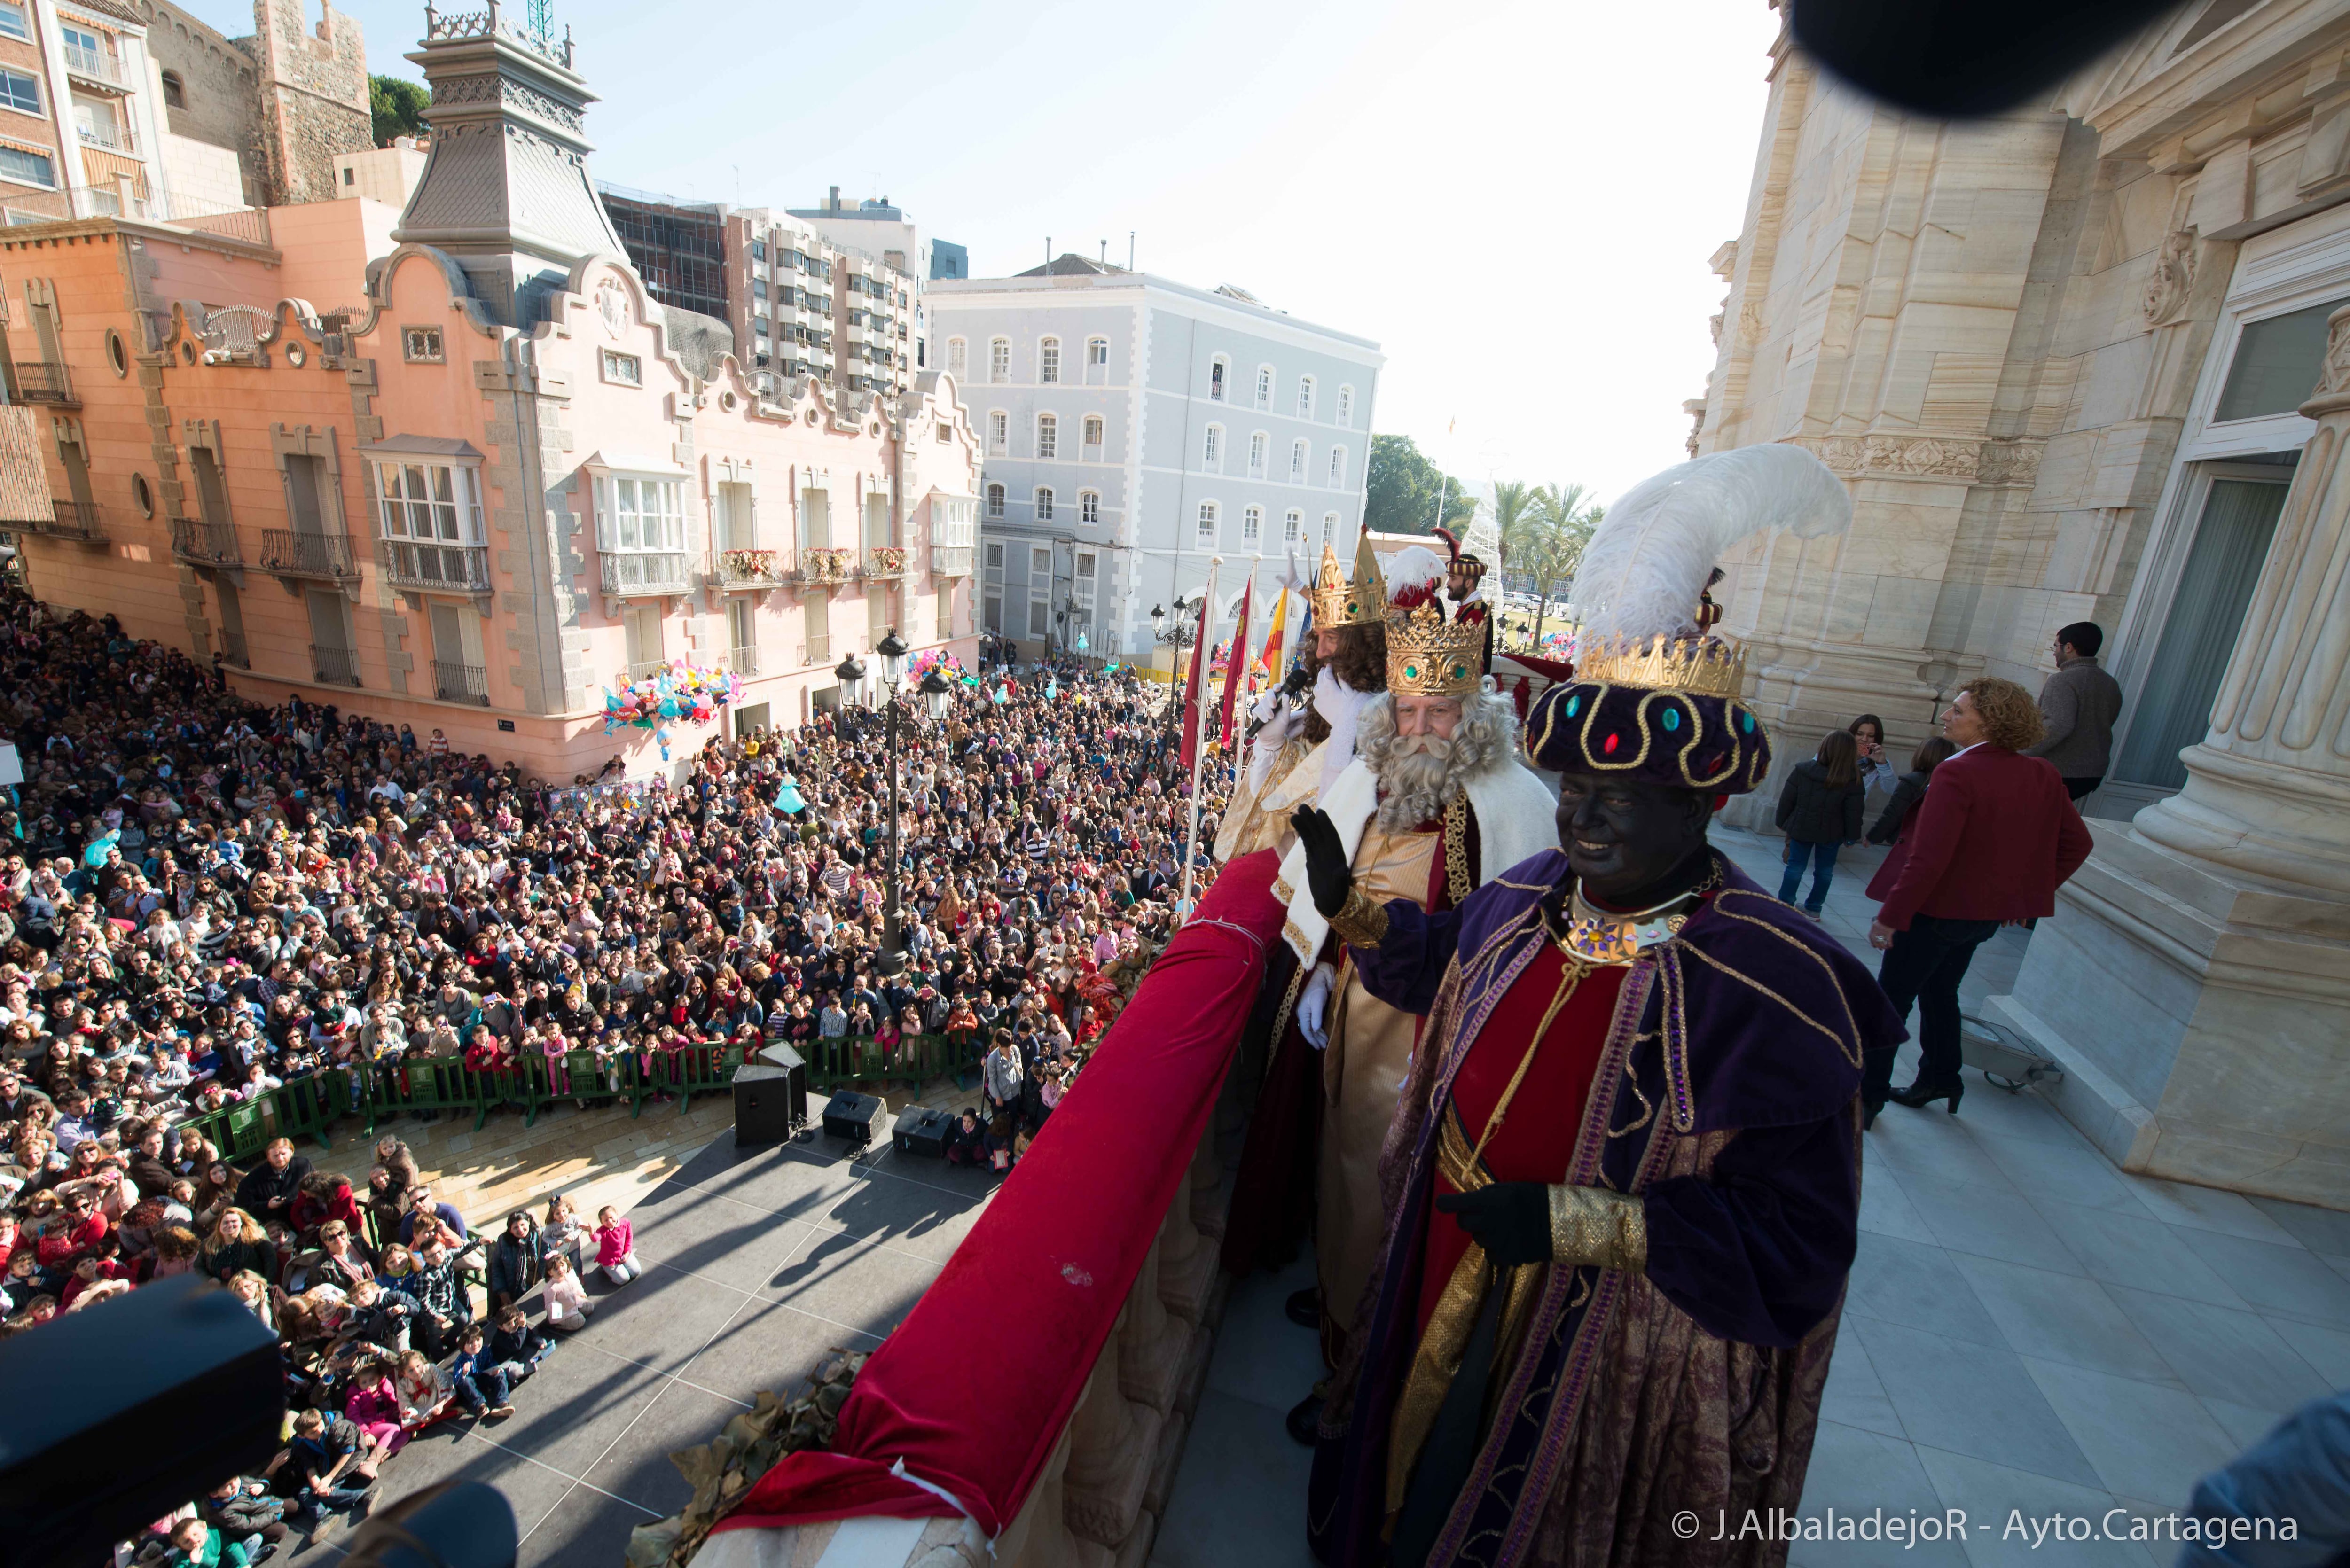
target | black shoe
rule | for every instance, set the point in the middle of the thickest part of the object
(1303, 1417)
(1921, 1093)
(1303, 1307)
(1868, 1110)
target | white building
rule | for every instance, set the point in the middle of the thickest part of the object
(1132, 427)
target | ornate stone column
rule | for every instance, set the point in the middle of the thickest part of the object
(2196, 981)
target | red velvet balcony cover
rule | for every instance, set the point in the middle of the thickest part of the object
(973, 1390)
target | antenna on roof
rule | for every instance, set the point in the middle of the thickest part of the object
(1104, 255)
(1048, 252)
(1129, 250)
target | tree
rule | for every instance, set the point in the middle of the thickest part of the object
(398, 106)
(1400, 488)
(1565, 522)
(1514, 516)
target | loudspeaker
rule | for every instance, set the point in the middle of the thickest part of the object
(768, 1104)
(851, 1116)
(782, 1055)
(923, 1131)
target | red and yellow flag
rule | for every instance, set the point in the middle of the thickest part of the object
(1269, 663)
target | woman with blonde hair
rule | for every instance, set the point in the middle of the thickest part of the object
(237, 1245)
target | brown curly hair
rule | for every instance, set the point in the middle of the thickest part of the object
(2011, 717)
(1361, 662)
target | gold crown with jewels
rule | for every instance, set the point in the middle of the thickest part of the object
(1694, 666)
(1430, 656)
(1361, 600)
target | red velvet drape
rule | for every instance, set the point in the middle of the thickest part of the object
(973, 1390)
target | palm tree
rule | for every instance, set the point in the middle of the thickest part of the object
(1565, 522)
(1514, 516)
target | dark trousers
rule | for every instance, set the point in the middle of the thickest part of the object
(483, 1389)
(1924, 966)
(1822, 858)
(2076, 788)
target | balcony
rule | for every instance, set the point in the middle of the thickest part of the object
(750, 569)
(297, 553)
(107, 136)
(884, 563)
(443, 569)
(742, 661)
(95, 69)
(646, 669)
(335, 666)
(821, 567)
(819, 649)
(44, 382)
(646, 572)
(461, 683)
(76, 520)
(950, 560)
(201, 543)
(231, 651)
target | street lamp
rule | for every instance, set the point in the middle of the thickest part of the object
(891, 959)
(936, 690)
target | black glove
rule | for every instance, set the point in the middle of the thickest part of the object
(1511, 1220)
(1326, 871)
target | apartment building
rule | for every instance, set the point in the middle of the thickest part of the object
(501, 478)
(1132, 428)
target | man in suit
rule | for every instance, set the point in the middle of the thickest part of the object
(1995, 838)
(2078, 706)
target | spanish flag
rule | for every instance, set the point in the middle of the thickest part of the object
(1269, 663)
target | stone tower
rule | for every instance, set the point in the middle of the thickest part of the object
(505, 192)
(314, 97)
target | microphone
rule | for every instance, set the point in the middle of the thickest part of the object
(1293, 686)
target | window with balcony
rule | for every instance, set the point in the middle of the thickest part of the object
(641, 627)
(1297, 462)
(1206, 538)
(1252, 526)
(96, 124)
(1264, 386)
(623, 370)
(737, 522)
(431, 517)
(19, 91)
(640, 533)
(999, 360)
(1088, 507)
(1216, 369)
(1346, 408)
(958, 358)
(1044, 503)
(28, 168)
(998, 432)
(1049, 436)
(1092, 434)
(1293, 527)
(995, 501)
(86, 53)
(1049, 359)
(1304, 397)
(1257, 444)
(1212, 451)
(1337, 465)
(1096, 361)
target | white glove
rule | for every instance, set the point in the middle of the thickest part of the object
(1267, 748)
(1266, 706)
(1293, 579)
(1314, 1006)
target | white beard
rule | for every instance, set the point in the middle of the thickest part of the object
(1416, 779)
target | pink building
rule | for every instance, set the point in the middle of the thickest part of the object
(453, 467)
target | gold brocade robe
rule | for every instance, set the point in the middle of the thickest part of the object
(1258, 818)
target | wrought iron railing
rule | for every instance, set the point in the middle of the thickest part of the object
(462, 568)
(819, 648)
(231, 651)
(461, 682)
(885, 561)
(655, 572)
(335, 666)
(76, 520)
(44, 382)
(204, 544)
(822, 567)
(742, 661)
(295, 553)
(94, 66)
(646, 669)
(751, 567)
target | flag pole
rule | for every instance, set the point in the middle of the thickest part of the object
(1199, 739)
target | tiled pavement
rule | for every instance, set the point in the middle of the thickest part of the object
(759, 1264)
(2027, 1328)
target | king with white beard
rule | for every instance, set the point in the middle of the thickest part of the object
(1437, 801)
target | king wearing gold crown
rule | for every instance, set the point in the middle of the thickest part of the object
(1620, 1187)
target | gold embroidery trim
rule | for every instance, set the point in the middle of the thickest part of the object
(1606, 1229)
(1458, 874)
(1362, 920)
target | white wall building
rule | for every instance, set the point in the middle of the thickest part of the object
(1132, 427)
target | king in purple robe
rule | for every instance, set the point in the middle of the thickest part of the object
(1623, 1180)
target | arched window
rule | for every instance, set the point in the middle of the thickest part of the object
(1252, 524)
(1044, 503)
(1048, 435)
(958, 358)
(1304, 397)
(176, 91)
(1329, 526)
(1264, 386)
(1216, 371)
(1346, 408)
(1212, 451)
(999, 360)
(1093, 433)
(1088, 507)
(1096, 361)
(1257, 444)
(1049, 359)
(1337, 465)
(995, 501)
(1207, 536)
(998, 432)
(1293, 527)
(1297, 462)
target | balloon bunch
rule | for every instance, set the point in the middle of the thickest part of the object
(681, 691)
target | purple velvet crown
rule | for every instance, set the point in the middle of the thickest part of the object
(1680, 739)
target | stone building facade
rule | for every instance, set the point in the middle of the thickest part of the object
(2081, 362)
(289, 97)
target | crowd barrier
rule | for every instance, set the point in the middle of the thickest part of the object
(377, 1092)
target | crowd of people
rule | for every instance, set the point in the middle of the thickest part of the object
(204, 900)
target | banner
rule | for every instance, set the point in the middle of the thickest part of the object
(1269, 663)
(1236, 674)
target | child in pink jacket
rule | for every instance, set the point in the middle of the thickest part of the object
(616, 1246)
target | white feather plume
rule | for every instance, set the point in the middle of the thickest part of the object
(1648, 561)
(1413, 566)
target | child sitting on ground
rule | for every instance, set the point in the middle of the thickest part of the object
(616, 1246)
(567, 1306)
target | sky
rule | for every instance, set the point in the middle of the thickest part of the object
(1516, 200)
